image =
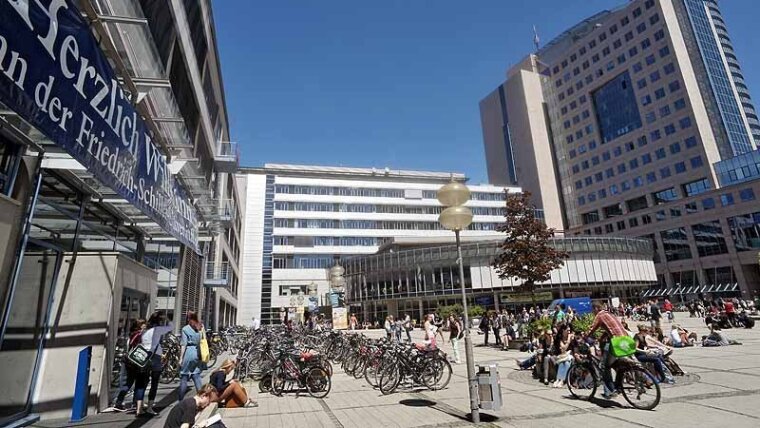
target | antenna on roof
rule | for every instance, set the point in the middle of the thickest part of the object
(536, 39)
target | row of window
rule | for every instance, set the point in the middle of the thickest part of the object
(641, 27)
(372, 208)
(706, 204)
(664, 110)
(321, 241)
(368, 192)
(370, 224)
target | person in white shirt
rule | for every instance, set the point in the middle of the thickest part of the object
(256, 323)
(675, 337)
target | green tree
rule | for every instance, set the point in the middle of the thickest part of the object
(475, 311)
(527, 252)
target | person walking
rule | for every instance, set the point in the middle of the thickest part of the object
(135, 375)
(496, 326)
(455, 334)
(388, 326)
(191, 355)
(408, 327)
(485, 326)
(151, 339)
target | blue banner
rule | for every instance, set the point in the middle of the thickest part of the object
(54, 75)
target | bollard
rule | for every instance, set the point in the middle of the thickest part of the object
(82, 386)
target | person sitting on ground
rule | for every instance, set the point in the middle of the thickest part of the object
(717, 338)
(183, 414)
(231, 394)
(651, 355)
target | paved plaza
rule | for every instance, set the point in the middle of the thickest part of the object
(722, 387)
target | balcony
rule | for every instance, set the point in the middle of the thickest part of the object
(227, 157)
(217, 274)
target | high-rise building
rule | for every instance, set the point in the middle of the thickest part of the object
(302, 220)
(637, 122)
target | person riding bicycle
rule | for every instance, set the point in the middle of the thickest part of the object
(612, 328)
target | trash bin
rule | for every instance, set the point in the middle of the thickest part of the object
(489, 387)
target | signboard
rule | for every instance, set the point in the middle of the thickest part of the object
(339, 318)
(544, 296)
(337, 299)
(615, 301)
(484, 300)
(55, 77)
(313, 304)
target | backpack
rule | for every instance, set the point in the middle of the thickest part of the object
(139, 358)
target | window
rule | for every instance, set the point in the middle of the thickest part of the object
(646, 159)
(609, 173)
(669, 68)
(637, 204)
(621, 168)
(606, 156)
(685, 122)
(709, 238)
(637, 12)
(659, 93)
(646, 219)
(646, 100)
(660, 153)
(747, 195)
(606, 51)
(621, 58)
(633, 164)
(655, 135)
(674, 86)
(726, 199)
(665, 111)
(595, 58)
(690, 142)
(603, 37)
(664, 51)
(609, 228)
(655, 76)
(691, 207)
(745, 229)
(675, 148)
(646, 43)
(651, 177)
(654, 18)
(592, 44)
(680, 167)
(621, 225)
(625, 21)
(665, 172)
(641, 141)
(617, 111)
(675, 244)
(696, 187)
(649, 4)
(613, 29)
(641, 28)
(659, 35)
(649, 59)
(650, 117)
(633, 51)
(664, 196)
(679, 104)
(696, 162)
(612, 211)
(637, 67)
(617, 151)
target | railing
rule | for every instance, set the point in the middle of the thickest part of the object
(218, 274)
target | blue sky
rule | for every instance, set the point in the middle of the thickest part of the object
(393, 82)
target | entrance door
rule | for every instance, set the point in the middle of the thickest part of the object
(27, 311)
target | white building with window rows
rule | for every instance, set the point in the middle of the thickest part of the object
(301, 219)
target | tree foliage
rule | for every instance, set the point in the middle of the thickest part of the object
(456, 310)
(527, 253)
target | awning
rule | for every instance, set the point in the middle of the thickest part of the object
(694, 289)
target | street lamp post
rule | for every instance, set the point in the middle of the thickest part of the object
(457, 217)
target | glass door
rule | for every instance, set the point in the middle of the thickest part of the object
(27, 324)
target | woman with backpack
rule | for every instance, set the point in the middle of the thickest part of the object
(135, 375)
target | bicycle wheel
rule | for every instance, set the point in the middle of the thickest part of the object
(390, 376)
(278, 381)
(639, 388)
(436, 373)
(582, 380)
(317, 382)
(371, 372)
(325, 363)
(361, 366)
(265, 384)
(213, 354)
(169, 373)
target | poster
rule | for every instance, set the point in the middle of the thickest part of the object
(340, 318)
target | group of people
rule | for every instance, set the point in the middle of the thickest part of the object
(148, 335)
(553, 350)
(506, 326)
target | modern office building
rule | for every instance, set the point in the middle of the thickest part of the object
(302, 220)
(414, 276)
(650, 132)
(117, 191)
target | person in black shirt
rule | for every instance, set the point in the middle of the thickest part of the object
(183, 413)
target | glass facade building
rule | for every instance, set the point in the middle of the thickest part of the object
(413, 277)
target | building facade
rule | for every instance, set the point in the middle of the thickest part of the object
(414, 276)
(302, 220)
(652, 134)
(120, 200)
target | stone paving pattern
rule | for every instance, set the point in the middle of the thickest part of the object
(724, 389)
